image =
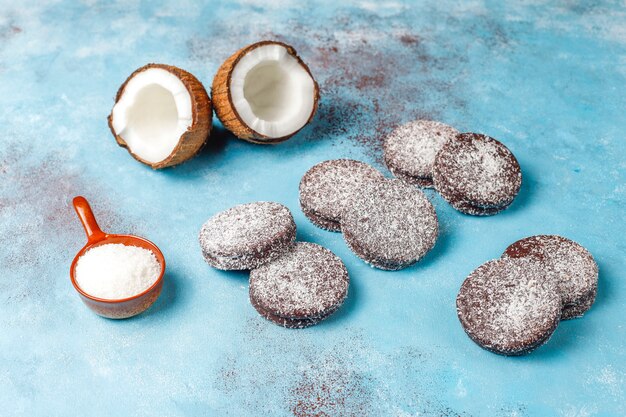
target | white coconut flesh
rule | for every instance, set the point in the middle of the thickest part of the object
(272, 92)
(152, 114)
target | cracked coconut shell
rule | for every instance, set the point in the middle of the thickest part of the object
(233, 118)
(192, 133)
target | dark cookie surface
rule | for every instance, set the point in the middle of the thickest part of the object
(480, 211)
(575, 269)
(247, 235)
(287, 322)
(410, 150)
(320, 221)
(509, 306)
(476, 174)
(390, 225)
(306, 282)
(327, 187)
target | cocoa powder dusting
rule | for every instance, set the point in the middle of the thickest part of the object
(371, 78)
(38, 200)
(330, 389)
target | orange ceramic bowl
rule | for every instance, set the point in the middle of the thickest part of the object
(117, 308)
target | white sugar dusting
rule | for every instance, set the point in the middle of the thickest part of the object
(510, 306)
(477, 170)
(411, 148)
(327, 187)
(575, 270)
(307, 281)
(390, 225)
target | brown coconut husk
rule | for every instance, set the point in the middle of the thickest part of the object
(223, 104)
(190, 142)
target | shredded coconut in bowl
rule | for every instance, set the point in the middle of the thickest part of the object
(115, 271)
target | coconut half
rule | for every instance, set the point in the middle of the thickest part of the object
(162, 115)
(264, 93)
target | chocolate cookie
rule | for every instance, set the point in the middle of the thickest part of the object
(303, 286)
(390, 225)
(509, 306)
(327, 187)
(575, 269)
(410, 150)
(248, 235)
(476, 174)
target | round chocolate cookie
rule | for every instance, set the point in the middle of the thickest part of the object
(575, 270)
(303, 286)
(390, 225)
(410, 150)
(509, 306)
(248, 235)
(327, 187)
(476, 174)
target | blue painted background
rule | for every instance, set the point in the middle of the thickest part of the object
(547, 78)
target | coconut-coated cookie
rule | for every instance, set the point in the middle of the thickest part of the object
(477, 174)
(248, 235)
(327, 187)
(509, 306)
(302, 287)
(575, 270)
(410, 150)
(390, 225)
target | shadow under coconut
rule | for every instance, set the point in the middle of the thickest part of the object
(206, 157)
(333, 120)
(220, 138)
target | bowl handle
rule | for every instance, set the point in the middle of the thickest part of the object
(94, 233)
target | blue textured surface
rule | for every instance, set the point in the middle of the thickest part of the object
(546, 78)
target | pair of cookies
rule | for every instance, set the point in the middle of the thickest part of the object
(475, 173)
(388, 224)
(512, 305)
(293, 284)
